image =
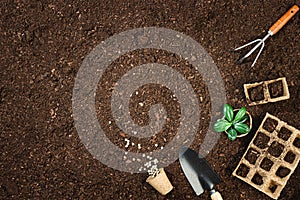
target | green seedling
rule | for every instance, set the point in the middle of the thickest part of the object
(233, 124)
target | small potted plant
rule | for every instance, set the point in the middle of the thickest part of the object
(236, 123)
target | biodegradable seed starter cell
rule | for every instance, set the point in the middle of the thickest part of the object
(268, 166)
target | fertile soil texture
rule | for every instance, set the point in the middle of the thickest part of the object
(43, 45)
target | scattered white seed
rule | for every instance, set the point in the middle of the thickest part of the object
(127, 143)
(132, 144)
(147, 164)
(141, 104)
(136, 92)
(156, 145)
(143, 155)
(161, 147)
(133, 159)
(109, 122)
(139, 146)
(134, 132)
(126, 152)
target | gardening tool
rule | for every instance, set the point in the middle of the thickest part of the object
(272, 31)
(198, 172)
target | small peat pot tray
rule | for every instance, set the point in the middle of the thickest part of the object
(271, 157)
(266, 91)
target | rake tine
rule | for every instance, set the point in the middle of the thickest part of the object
(241, 47)
(262, 47)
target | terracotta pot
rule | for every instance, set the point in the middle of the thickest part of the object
(160, 182)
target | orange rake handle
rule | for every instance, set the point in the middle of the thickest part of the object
(284, 19)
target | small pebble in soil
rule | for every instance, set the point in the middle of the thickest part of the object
(128, 161)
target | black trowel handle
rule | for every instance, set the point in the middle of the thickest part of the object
(216, 196)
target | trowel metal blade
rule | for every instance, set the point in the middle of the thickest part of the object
(199, 174)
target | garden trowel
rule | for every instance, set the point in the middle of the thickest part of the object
(199, 174)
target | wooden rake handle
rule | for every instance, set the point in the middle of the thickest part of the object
(284, 19)
(216, 196)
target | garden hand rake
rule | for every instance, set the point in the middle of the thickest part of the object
(272, 31)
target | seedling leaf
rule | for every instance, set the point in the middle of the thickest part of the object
(222, 125)
(244, 119)
(232, 134)
(241, 113)
(242, 128)
(228, 112)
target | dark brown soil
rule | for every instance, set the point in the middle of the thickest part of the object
(290, 157)
(282, 172)
(276, 149)
(252, 156)
(296, 142)
(276, 89)
(43, 44)
(242, 170)
(257, 179)
(266, 164)
(284, 133)
(256, 93)
(261, 140)
(270, 125)
(273, 187)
